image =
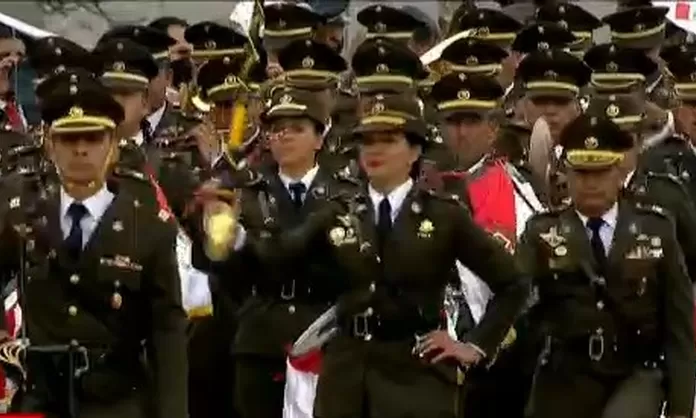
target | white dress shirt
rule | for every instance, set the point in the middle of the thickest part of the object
(628, 178)
(156, 117)
(96, 206)
(606, 231)
(396, 198)
(307, 179)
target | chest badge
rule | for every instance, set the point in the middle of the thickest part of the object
(555, 240)
(426, 229)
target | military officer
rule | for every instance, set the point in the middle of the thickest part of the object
(285, 22)
(160, 115)
(289, 293)
(53, 54)
(572, 17)
(316, 67)
(493, 27)
(385, 299)
(643, 182)
(615, 301)
(644, 28)
(535, 38)
(96, 292)
(617, 68)
(679, 63)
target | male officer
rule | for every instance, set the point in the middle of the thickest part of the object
(104, 293)
(572, 17)
(644, 28)
(615, 301)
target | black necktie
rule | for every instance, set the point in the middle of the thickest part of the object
(297, 191)
(384, 222)
(73, 242)
(598, 250)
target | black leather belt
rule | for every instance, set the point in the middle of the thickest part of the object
(369, 325)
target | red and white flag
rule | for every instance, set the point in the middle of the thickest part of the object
(301, 377)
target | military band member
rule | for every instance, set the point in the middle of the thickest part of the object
(616, 68)
(615, 300)
(385, 298)
(574, 18)
(382, 21)
(104, 277)
(289, 294)
(644, 28)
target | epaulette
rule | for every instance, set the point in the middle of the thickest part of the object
(131, 174)
(654, 209)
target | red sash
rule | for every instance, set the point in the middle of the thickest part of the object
(492, 195)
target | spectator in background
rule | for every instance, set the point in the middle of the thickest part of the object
(12, 52)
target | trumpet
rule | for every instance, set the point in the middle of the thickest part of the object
(220, 223)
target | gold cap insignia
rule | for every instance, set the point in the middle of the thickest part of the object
(483, 31)
(541, 30)
(72, 89)
(380, 27)
(377, 108)
(285, 99)
(561, 9)
(543, 46)
(563, 24)
(231, 79)
(612, 67)
(119, 66)
(59, 69)
(692, 76)
(282, 24)
(639, 27)
(382, 68)
(58, 51)
(613, 111)
(308, 62)
(551, 75)
(76, 112)
(472, 60)
(463, 95)
(381, 51)
(210, 44)
(591, 142)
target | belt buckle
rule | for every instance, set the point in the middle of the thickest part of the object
(595, 347)
(287, 294)
(361, 328)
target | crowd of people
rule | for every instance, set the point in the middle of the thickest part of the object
(491, 218)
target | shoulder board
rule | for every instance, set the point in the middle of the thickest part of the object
(131, 174)
(665, 176)
(653, 209)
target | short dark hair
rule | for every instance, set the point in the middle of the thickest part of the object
(163, 23)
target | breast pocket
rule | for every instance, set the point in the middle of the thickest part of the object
(640, 277)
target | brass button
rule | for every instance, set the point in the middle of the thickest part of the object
(367, 337)
(369, 311)
(74, 279)
(72, 310)
(291, 309)
(600, 305)
(373, 287)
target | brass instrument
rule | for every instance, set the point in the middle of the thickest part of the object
(220, 218)
(220, 225)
